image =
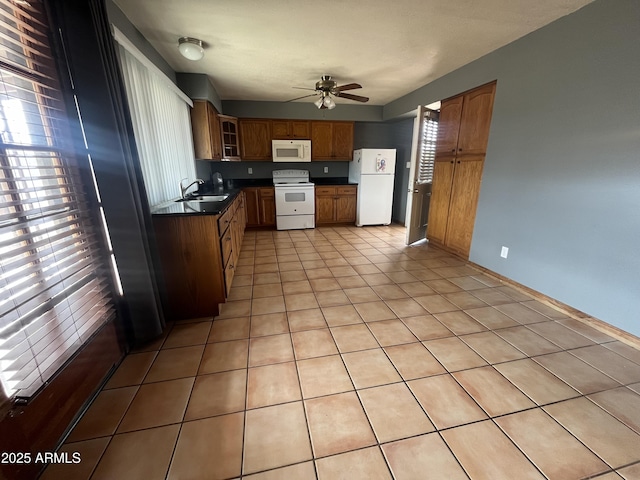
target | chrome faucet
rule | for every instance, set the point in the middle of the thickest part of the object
(183, 190)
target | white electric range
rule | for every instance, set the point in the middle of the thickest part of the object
(295, 199)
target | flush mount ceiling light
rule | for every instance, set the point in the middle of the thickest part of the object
(191, 48)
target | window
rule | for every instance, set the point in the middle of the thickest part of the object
(161, 124)
(55, 276)
(428, 146)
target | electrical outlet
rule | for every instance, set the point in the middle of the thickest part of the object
(326, 169)
(250, 171)
(504, 253)
(408, 164)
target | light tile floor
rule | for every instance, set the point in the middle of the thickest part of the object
(342, 353)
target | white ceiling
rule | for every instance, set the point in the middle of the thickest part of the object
(260, 49)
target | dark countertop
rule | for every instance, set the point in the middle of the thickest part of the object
(331, 181)
(196, 208)
(268, 182)
(233, 187)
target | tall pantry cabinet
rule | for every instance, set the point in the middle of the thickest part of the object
(463, 133)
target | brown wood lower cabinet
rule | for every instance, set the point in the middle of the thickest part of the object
(336, 204)
(440, 199)
(454, 199)
(199, 255)
(465, 189)
(261, 206)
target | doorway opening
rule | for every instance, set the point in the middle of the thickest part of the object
(423, 151)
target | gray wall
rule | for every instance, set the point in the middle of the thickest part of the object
(117, 18)
(402, 137)
(231, 170)
(561, 182)
(371, 135)
(198, 86)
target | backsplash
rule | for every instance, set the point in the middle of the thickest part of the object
(263, 169)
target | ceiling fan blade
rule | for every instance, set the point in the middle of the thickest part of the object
(357, 98)
(304, 96)
(304, 88)
(349, 86)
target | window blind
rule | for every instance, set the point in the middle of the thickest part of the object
(428, 146)
(55, 283)
(161, 125)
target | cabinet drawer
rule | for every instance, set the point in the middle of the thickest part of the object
(224, 220)
(267, 192)
(226, 246)
(350, 190)
(325, 190)
(233, 207)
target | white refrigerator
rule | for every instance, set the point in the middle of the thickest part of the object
(373, 170)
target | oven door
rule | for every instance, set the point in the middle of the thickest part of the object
(295, 200)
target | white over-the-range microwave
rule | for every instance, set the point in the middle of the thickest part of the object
(291, 150)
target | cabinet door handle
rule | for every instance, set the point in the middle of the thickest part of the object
(453, 150)
(459, 149)
(458, 161)
(451, 162)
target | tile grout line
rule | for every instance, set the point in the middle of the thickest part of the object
(186, 407)
(360, 246)
(366, 323)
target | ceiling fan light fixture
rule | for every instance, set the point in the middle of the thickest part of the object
(329, 103)
(191, 48)
(325, 91)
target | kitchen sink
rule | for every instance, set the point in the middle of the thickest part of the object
(203, 203)
(201, 206)
(205, 198)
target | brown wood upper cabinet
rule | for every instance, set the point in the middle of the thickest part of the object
(205, 125)
(230, 138)
(463, 133)
(255, 139)
(329, 140)
(463, 128)
(332, 141)
(290, 129)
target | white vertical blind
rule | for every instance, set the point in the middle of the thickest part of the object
(162, 129)
(428, 146)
